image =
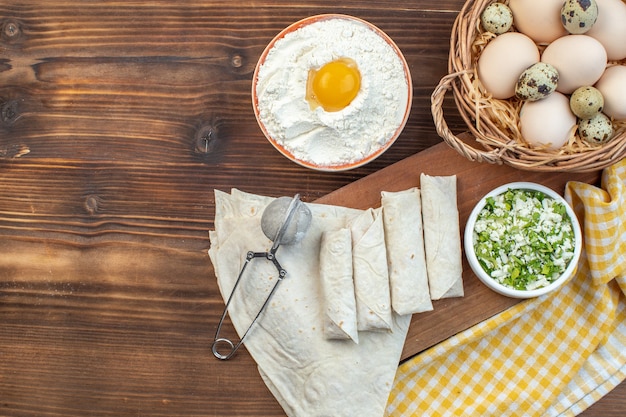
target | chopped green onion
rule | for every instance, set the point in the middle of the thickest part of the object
(524, 239)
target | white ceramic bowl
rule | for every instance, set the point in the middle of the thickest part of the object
(491, 282)
(341, 166)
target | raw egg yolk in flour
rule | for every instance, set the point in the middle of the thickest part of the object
(334, 85)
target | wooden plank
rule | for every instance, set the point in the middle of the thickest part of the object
(108, 301)
(473, 181)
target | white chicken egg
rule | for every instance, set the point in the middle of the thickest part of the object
(502, 62)
(548, 122)
(538, 19)
(612, 85)
(579, 59)
(610, 28)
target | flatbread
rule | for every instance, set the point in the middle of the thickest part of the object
(371, 275)
(404, 238)
(307, 374)
(338, 286)
(442, 236)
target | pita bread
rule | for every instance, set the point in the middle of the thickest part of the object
(442, 236)
(371, 275)
(340, 320)
(308, 374)
(408, 279)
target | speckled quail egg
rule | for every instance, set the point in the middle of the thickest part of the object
(537, 81)
(497, 18)
(586, 102)
(597, 130)
(578, 16)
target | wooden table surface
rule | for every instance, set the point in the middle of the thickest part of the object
(117, 122)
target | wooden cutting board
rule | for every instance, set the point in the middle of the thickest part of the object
(474, 179)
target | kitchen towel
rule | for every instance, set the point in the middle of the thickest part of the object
(554, 355)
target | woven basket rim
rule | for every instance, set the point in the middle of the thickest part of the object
(493, 143)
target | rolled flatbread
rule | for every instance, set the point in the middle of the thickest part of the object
(371, 276)
(408, 279)
(307, 373)
(442, 236)
(337, 285)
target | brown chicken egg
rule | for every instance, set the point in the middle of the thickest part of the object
(502, 62)
(547, 123)
(538, 19)
(610, 28)
(579, 59)
(612, 85)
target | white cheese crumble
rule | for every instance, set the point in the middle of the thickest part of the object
(523, 239)
(332, 138)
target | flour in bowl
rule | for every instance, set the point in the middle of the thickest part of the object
(332, 138)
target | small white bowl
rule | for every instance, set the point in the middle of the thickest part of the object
(491, 282)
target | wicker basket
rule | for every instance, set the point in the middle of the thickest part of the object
(495, 126)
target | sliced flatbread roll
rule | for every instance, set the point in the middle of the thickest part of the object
(404, 237)
(337, 285)
(371, 276)
(442, 236)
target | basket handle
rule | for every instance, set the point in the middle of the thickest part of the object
(460, 144)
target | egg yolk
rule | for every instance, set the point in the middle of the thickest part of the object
(334, 85)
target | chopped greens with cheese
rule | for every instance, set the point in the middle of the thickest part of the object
(524, 239)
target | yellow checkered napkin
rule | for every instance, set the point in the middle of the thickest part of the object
(550, 356)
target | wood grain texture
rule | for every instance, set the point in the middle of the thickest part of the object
(453, 315)
(117, 121)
